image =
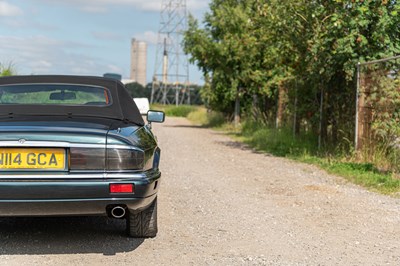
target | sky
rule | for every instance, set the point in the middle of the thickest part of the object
(83, 37)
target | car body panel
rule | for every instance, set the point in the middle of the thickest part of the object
(36, 192)
(73, 132)
(61, 194)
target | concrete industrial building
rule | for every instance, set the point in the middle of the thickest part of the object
(138, 61)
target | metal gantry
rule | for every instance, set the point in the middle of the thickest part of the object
(171, 71)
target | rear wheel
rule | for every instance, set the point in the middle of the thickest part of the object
(143, 224)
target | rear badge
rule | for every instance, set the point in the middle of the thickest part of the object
(21, 141)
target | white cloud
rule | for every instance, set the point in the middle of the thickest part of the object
(28, 23)
(9, 10)
(43, 55)
(149, 37)
(114, 69)
(197, 4)
(101, 5)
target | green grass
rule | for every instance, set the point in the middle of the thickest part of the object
(177, 111)
(197, 114)
(363, 174)
(208, 119)
(277, 142)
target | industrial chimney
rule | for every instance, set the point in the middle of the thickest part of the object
(138, 61)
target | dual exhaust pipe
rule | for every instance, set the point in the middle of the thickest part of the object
(118, 212)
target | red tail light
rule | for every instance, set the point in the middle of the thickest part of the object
(121, 188)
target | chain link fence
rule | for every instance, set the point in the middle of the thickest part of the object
(377, 130)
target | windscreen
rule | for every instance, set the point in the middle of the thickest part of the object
(54, 94)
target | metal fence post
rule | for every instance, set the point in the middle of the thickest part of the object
(295, 111)
(321, 109)
(357, 102)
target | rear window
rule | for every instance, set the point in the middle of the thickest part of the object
(54, 94)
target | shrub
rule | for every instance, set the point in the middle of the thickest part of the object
(210, 119)
(179, 111)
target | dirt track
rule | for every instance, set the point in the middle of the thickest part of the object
(223, 204)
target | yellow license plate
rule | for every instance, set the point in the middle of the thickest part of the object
(32, 158)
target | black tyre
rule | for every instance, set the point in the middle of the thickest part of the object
(143, 224)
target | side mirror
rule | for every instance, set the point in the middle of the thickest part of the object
(155, 116)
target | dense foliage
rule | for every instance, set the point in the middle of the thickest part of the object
(137, 90)
(292, 63)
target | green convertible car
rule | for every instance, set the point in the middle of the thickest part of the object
(72, 145)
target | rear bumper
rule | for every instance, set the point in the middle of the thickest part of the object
(52, 196)
(97, 207)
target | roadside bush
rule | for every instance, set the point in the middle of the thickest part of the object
(209, 119)
(137, 90)
(179, 111)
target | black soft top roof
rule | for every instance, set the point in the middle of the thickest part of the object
(122, 107)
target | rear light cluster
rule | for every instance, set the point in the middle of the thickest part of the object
(118, 159)
(108, 159)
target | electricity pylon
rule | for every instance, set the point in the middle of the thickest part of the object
(171, 71)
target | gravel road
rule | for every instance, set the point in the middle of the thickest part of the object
(222, 203)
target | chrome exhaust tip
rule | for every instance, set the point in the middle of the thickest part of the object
(118, 212)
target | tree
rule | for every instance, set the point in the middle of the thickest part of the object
(225, 51)
(282, 50)
(136, 90)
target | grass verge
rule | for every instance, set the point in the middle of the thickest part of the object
(363, 174)
(177, 111)
(206, 118)
(305, 149)
(196, 114)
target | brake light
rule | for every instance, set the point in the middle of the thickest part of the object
(121, 188)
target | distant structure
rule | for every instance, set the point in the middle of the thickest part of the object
(171, 71)
(127, 81)
(138, 61)
(113, 76)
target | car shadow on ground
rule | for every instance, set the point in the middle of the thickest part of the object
(66, 235)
